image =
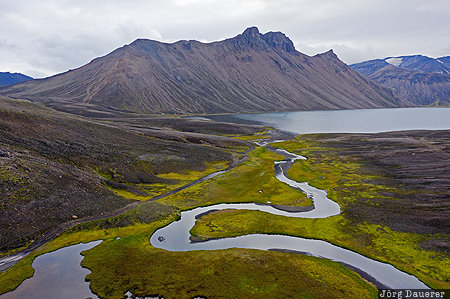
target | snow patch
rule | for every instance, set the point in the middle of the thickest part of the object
(395, 61)
(439, 61)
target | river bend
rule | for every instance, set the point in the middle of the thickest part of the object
(64, 264)
(175, 236)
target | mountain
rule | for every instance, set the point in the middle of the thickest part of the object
(418, 79)
(421, 63)
(251, 72)
(7, 78)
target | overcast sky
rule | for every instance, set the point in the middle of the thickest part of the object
(45, 37)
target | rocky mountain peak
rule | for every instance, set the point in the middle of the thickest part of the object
(279, 40)
(328, 55)
(251, 37)
(251, 33)
(251, 72)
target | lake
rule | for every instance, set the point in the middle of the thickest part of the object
(60, 272)
(350, 121)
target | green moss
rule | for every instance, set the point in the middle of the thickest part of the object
(187, 176)
(146, 217)
(106, 176)
(348, 183)
(228, 273)
(253, 181)
(256, 136)
(176, 179)
(129, 195)
(376, 242)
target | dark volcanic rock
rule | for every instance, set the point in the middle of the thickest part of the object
(51, 165)
(251, 72)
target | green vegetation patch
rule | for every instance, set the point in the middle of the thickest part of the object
(164, 182)
(373, 241)
(389, 212)
(146, 217)
(253, 181)
(231, 273)
(256, 136)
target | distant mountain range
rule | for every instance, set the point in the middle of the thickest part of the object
(7, 78)
(419, 79)
(251, 72)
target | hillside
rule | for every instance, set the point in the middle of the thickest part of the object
(418, 79)
(421, 63)
(55, 167)
(7, 78)
(251, 72)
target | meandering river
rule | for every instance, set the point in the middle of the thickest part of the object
(175, 236)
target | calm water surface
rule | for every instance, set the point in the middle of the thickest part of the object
(355, 121)
(58, 275)
(175, 236)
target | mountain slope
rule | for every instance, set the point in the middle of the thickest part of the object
(418, 79)
(55, 165)
(7, 78)
(421, 63)
(251, 72)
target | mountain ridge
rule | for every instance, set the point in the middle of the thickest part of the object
(7, 78)
(251, 72)
(418, 79)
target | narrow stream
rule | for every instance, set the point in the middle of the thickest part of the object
(59, 273)
(175, 236)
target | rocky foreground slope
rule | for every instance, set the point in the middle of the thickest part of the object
(251, 72)
(55, 167)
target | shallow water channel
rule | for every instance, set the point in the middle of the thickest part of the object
(175, 236)
(59, 273)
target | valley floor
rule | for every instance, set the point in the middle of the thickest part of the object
(392, 189)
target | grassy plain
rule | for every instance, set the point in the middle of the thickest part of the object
(362, 188)
(169, 181)
(214, 274)
(252, 273)
(253, 181)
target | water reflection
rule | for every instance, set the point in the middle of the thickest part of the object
(355, 121)
(58, 275)
(175, 236)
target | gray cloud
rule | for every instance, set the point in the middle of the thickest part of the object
(41, 38)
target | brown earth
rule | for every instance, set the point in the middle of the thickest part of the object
(415, 163)
(50, 163)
